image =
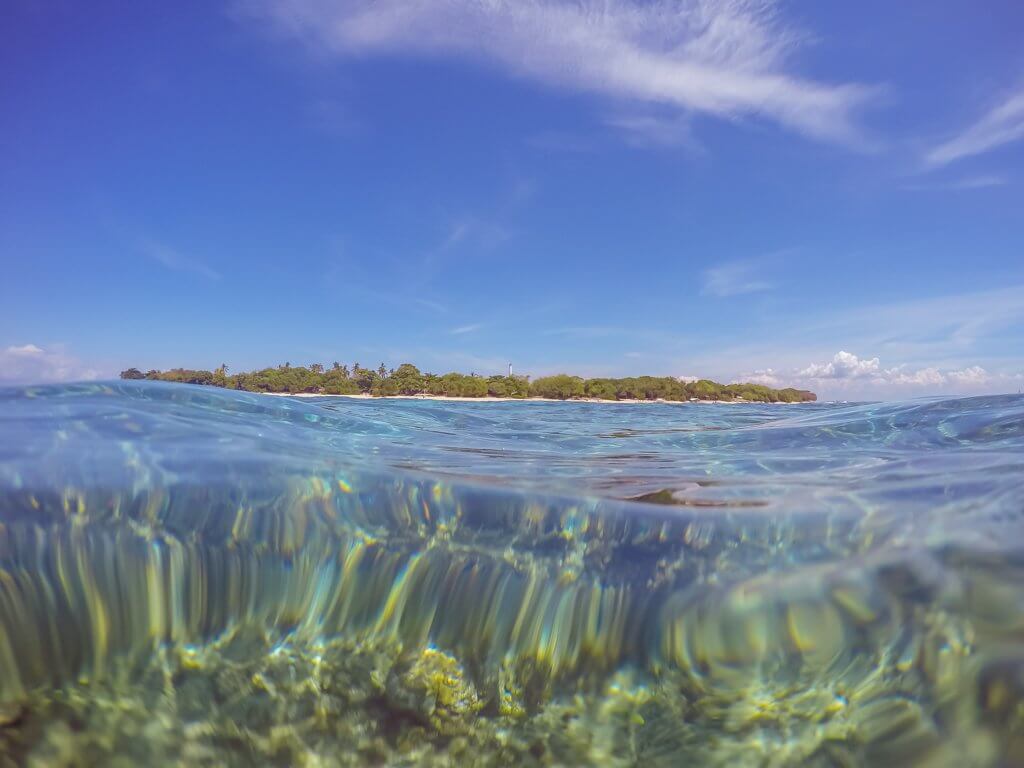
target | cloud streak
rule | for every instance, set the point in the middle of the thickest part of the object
(928, 327)
(176, 261)
(971, 182)
(724, 59)
(734, 279)
(478, 233)
(647, 131)
(1001, 125)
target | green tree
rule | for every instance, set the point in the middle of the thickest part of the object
(508, 386)
(406, 380)
(602, 389)
(337, 382)
(558, 387)
(364, 378)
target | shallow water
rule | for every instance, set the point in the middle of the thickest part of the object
(195, 576)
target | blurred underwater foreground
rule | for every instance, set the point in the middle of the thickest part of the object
(194, 576)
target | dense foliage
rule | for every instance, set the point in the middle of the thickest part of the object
(408, 380)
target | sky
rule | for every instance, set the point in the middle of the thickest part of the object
(822, 195)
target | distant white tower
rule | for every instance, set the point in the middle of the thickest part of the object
(510, 369)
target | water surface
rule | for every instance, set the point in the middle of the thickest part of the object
(195, 576)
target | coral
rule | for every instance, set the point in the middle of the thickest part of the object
(441, 691)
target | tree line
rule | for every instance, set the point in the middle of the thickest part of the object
(407, 379)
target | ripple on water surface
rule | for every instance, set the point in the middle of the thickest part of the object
(194, 576)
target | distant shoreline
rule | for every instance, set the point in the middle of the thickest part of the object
(490, 399)
(408, 381)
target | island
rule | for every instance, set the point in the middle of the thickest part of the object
(408, 381)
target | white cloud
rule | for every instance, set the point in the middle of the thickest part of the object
(923, 377)
(846, 370)
(734, 279)
(466, 329)
(26, 351)
(973, 375)
(31, 364)
(766, 376)
(843, 366)
(1003, 124)
(726, 59)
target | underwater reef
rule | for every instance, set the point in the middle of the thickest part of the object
(356, 620)
(196, 577)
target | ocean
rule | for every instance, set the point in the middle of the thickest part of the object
(195, 576)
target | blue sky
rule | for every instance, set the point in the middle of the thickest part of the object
(819, 194)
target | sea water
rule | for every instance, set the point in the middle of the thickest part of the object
(192, 576)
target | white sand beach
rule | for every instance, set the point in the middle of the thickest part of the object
(490, 399)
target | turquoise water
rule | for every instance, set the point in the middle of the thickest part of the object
(196, 576)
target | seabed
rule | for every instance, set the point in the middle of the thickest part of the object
(363, 620)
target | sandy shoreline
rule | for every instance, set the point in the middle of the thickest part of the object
(490, 399)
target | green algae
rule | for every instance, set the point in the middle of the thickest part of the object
(251, 699)
(339, 620)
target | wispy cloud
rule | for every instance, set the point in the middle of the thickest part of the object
(726, 59)
(358, 282)
(32, 364)
(1001, 125)
(434, 306)
(175, 260)
(463, 329)
(586, 332)
(929, 329)
(735, 279)
(476, 232)
(335, 118)
(375, 277)
(948, 333)
(646, 131)
(970, 182)
(555, 141)
(406, 278)
(924, 327)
